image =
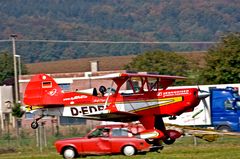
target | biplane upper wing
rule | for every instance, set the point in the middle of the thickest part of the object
(122, 75)
(165, 80)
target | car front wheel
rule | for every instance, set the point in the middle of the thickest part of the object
(128, 150)
(69, 153)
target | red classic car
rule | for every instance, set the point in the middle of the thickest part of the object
(104, 139)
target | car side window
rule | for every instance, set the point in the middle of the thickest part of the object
(119, 132)
(102, 132)
(95, 133)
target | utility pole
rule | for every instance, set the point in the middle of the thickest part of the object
(14, 36)
(16, 90)
(19, 68)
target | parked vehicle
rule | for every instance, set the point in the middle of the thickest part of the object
(104, 139)
(221, 110)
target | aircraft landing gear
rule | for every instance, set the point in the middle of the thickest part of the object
(34, 124)
(169, 141)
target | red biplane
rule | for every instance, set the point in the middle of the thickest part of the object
(147, 101)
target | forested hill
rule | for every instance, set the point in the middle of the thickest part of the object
(114, 20)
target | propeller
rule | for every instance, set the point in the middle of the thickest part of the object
(202, 95)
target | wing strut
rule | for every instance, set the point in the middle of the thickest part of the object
(111, 107)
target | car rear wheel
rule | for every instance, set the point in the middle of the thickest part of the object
(69, 153)
(128, 150)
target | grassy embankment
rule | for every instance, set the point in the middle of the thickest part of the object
(224, 148)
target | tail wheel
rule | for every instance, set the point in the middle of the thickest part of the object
(69, 153)
(128, 150)
(34, 125)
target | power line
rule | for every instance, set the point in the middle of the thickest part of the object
(116, 42)
(5, 40)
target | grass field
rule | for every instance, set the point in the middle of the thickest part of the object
(224, 148)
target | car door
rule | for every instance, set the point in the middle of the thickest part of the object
(119, 138)
(97, 142)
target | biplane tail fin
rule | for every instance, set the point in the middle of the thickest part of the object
(42, 90)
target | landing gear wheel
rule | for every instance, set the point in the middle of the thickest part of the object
(34, 125)
(128, 150)
(169, 141)
(69, 153)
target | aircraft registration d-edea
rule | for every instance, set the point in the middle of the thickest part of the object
(147, 103)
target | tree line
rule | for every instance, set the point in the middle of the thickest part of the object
(221, 64)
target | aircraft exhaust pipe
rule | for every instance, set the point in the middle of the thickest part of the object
(203, 95)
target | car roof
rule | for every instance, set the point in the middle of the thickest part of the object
(112, 126)
(122, 125)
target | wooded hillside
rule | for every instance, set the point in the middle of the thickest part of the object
(115, 20)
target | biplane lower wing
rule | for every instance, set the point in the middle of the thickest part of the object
(118, 116)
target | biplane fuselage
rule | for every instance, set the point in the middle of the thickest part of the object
(162, 102)
(148, 102)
